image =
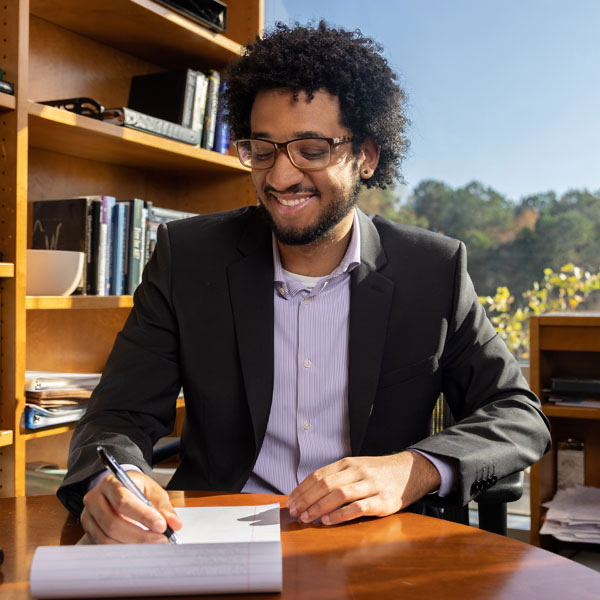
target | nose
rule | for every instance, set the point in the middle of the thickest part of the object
(283, 174)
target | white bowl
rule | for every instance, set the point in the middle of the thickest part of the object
(53, 272)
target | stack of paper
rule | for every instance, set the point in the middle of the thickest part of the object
(574, 515)
(233, 549)
(54, 397)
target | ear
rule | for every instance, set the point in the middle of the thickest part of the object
(369, 158)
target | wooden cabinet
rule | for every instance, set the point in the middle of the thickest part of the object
(55, 49)
(564, 345)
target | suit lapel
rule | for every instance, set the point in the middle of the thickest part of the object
(370, 301)
(251, 288)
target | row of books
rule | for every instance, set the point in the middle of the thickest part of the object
(188, 98)
(117, 236)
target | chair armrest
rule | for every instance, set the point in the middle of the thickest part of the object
(507, 489)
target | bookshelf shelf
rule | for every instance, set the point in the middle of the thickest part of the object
(49, 431)
(571, 412)
(7, 101)
(7, 269)
(77, 302)
(54, 129)
(181, 40)
(6, 437)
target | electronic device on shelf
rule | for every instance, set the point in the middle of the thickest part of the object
(210, 13)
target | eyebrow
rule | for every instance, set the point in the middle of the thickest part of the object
(295, 135)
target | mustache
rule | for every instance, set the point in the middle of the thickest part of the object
(294, 189)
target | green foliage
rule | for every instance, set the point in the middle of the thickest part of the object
(561, 291)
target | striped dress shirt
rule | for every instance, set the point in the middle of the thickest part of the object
(308, 425)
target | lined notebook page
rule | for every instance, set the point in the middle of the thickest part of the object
(224, 550)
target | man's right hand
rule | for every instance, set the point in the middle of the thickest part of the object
(113, 515)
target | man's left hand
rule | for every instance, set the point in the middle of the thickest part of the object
(363, 486)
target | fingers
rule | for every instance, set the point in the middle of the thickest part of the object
(351, 488)
(112, 514)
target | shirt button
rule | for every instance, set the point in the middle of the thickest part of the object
(306, 425)
(282, 291)
(307, 363)
(306, 301)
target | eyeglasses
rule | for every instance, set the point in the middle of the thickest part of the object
(304, 153)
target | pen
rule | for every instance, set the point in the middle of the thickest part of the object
(110, 462)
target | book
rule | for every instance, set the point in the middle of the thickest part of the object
(168, 95)
(200, 94)
(575, 385)
(221, 143)
(223, 550)
(128, 117)
(119, 248)
(66, 224)
(156, 216)
(108, 204)
(134, 244)
(93, 258)
(574, 401)
(210, 113)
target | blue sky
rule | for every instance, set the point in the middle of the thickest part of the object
(507, 93)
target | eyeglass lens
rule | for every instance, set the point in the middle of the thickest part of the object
(305, 153)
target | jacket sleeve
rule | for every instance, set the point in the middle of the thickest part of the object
(500, 426)
(134, 404)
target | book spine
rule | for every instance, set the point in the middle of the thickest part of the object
(137, 120)
(221, 143)
(126, 247)
(143, 257)
(108, 204)
(188, 98)
(136, 207)
(101, 267)
(119, 226)
(170, 213)
(92, 244)
(210, 114)
(199, 101)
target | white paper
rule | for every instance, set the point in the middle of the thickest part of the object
(574, 515)
(224, 550)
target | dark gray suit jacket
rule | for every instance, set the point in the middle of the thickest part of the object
(203, 319)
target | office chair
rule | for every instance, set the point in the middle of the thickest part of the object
(491, 501)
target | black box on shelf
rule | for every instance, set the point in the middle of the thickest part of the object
(211, 13)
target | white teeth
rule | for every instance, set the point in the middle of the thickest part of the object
(292, 202)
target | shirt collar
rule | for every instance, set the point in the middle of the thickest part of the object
(350, 260)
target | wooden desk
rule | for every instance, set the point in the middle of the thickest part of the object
(402, 556)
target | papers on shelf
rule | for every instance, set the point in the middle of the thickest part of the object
(233, 549)
(575, 401)
(54, 398)
(574, 515)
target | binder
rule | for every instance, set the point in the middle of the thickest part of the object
(36, 417)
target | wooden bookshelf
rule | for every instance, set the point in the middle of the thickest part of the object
(55, 49)
(6, 437)
(563, 345)
(7, 269)
(74, 302)
(7, 101)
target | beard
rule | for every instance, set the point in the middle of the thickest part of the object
(333, 214)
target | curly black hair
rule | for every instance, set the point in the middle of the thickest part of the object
(344, 63)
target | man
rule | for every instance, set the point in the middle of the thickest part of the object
(311, 341)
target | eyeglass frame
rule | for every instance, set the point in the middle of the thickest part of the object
(280, 146)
